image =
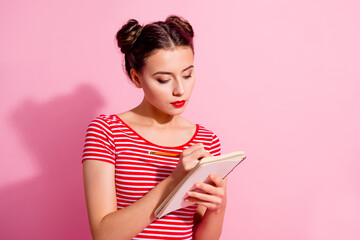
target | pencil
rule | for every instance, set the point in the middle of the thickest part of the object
(164, 154)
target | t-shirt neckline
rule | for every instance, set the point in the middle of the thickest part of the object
(154, 144)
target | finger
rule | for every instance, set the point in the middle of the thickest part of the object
(208, 205)
(205, 188)
(209, 189)
(198, 190)
(211, 205)
(218, 181)
(192, 148)
(189, 161)
(200, 153)
(204, 197)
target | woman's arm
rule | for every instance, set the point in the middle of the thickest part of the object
(106, 222)
(211, 209)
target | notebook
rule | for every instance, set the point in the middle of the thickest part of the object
(218, 165)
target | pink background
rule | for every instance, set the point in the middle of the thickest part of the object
(277, 79)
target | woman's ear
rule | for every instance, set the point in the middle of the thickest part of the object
(135, 78)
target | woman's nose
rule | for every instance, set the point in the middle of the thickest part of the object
(178, 88)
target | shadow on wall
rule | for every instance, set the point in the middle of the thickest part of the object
(52, 205)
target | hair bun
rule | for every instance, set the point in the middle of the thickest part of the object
(127, 35)
(181, 22)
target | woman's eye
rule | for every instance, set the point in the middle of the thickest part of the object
(163, 81)
(187, 76)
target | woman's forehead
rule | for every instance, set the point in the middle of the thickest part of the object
(172, 60)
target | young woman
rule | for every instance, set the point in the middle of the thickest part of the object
(125, 184)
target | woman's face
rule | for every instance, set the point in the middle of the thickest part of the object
(168, 79)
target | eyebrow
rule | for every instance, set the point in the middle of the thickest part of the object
(162, 72)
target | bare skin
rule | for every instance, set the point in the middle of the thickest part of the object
(171, 134)
(158, 121)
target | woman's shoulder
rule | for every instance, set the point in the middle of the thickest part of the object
(104, 121)
(210, 138)
(106, 118)
(205, 130)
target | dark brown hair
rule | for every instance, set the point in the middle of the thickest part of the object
(139, 42)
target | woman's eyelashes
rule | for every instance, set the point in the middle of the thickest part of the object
(187, 76)
(163, 81)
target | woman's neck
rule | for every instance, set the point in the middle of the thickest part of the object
(150, 115)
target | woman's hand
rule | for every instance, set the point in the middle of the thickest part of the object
(210, 195)
(188, 160)
(211, 198)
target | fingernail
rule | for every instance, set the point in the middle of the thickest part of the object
(197, 185)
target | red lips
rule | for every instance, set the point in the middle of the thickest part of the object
(178, 104)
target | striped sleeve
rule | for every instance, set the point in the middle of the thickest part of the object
(215, 148)
(99, 142)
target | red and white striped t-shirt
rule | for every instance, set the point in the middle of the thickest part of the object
(110, 139)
